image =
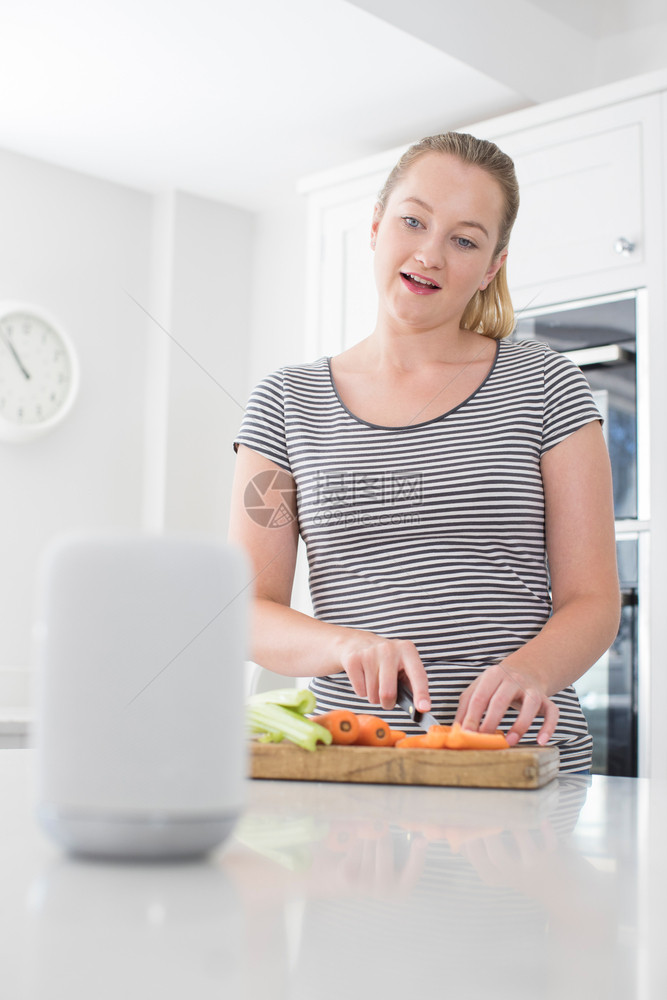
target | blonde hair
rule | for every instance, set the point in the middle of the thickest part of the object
(490, 311)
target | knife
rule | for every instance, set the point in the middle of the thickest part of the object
(405, 700)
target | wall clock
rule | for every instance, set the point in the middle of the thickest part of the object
(39, 372)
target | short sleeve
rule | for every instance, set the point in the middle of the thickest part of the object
(263, 424)
(568, 400)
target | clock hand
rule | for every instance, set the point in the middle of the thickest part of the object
(12, 349)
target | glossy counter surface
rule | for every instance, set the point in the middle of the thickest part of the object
(330, 891)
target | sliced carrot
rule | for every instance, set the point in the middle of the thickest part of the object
(373, 732)
(438, 736)
(435, 739)
(342, 724)
(466, 739)
(422, 740)
(396, 735)
(454, 738)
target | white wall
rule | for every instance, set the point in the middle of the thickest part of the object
(72, 245)
(278, 308)
(278, 316)
(148, 442)
(210, 284)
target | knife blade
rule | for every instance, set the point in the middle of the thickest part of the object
(405, 700)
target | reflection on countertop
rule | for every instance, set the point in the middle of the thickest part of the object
(553, 892)
(486, 892)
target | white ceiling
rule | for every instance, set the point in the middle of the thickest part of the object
(610, 17)
(235, 101)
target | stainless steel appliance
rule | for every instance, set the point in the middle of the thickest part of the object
(602, 337)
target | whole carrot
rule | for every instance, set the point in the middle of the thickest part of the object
(342, 724)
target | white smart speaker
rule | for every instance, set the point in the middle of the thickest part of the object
(140, 643)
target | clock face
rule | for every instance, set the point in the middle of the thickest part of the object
(37, 374)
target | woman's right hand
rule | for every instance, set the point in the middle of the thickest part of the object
(292, 643)
(374, 665)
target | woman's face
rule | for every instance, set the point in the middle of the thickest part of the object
(435, 241)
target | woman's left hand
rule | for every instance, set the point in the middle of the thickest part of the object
(484, 703)
(581, 552)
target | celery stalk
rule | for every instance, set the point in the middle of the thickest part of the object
(300, 700)
(275, 723)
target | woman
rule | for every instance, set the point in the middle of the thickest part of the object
(436, 467)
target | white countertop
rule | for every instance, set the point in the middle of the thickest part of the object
(354, 891)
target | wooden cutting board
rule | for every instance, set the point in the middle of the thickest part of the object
(519, 767)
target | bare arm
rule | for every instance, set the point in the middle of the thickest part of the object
(585, 591)
(295, 644)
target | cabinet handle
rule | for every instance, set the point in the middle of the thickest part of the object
(624, 247)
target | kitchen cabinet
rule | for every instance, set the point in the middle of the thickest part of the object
(589, 185)
(341, 301)
(592, 228)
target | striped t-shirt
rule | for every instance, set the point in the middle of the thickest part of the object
(432, 532)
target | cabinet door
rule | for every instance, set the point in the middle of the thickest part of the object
(342, 302)
(582, 219)
(348, 290)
